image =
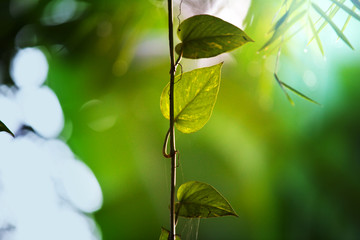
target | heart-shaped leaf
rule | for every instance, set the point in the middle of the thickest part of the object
(205, 36)
(4, 128)
(200, 200)
(195, 94)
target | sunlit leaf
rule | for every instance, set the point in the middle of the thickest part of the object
(4, 128)
(332, 24)
(346, 22)
(195, 95)
(316, 36)
(299, 93)
(283, 89)
(205, 36)
(346, 9)
(281, 31)
(165, 235)
(356, 3)
(294, 6)
(200, 200)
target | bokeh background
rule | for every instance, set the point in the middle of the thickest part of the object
(290, 172)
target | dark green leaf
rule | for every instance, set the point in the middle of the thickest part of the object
(346, 9)
(195, 95)
(4, 128)
(165, 235)
(200, 200)
(332, 24)
(282, 88)
(300, 94)
(356, 3)
(205, 36)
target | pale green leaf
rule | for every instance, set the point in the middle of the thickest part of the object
(281, 31)
(347, 21)
(195, 94)
(346, 9)
(331, 15)
(4, 128)
(200, 200)
(294, 6)
(205, 36)
(318, 41)
(164, 235)
(356, 3)
(332, 24)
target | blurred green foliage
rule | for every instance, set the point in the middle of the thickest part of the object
(289, 172)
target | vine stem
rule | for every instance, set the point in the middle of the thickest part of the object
(172, 122)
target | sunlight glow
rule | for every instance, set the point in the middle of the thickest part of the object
(42, 111)
(29, 68)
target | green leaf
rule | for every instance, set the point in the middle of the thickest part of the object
(347, 22)
(281, 31)
(284, 85)
(195, 94)
(200, 200)
(346, 9)
(356, 3)
(4, 128)
(316, 36)
(332, 24)
(283, 89)
(205, 36)
(300, 94)
(165, 235)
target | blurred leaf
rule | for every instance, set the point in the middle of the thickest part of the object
(294, 6)
(281, 31)
(205, 36)
(165, 235)
(4, 128)
(300, 94)
(332, 24)
(200, 200)
(356, 3)
(284, 90)
(282, 85)
(346, 9)
(347, 22)
(195, 94)
(331, 15)
(316, 35)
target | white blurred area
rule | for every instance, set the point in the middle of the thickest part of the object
(45, 192)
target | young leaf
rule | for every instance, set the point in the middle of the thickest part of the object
(200, 200)
(346, 9)
(195, 94)
(165, 235)
(332, 24)
(4, 128)
(356, 3)
(205, 36)
(316, 36)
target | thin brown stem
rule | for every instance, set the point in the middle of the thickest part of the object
(172, 122)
